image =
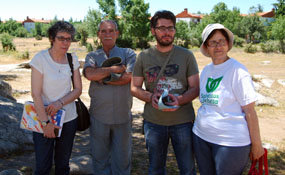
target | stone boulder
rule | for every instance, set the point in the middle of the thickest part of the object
(263, 100)
(6, 90)
(12, 137)
(11, 172)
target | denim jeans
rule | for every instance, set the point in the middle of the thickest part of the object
(60, 147)
(157, 140)
(220, 160)
(111, 147)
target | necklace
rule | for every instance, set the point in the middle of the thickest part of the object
(59, 62)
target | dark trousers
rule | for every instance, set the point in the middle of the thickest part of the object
(59, 149)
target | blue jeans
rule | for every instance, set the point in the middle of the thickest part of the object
(60, 147)
(157, 140)
(216, 159)
(111, 147)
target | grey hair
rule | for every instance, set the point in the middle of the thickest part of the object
(108, 21)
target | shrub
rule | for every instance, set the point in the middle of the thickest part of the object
(21, 32)
(39, 37)
(7, 42)
(250, 48)
(25, 55)
(269, 46)
(89, 47)
(238, 41)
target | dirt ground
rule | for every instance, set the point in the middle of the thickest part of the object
(271, 119)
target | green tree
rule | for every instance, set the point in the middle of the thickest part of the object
(93, 19)
(7, 42)
(278, 31)
(135, 15)
(252, 28)
(21, 32)
(182, 34)
(279, 8)
(109, 8)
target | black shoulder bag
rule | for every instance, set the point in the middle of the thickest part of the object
(83, 119)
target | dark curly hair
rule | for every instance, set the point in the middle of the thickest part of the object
(60, 26)
(164, 14)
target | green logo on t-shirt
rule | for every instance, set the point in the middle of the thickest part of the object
(212, 84)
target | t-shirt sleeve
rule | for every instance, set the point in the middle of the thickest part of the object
(192, 65)
(37, 63)
(75, 61)
(138, 68)
(243, 87)
(130, 60)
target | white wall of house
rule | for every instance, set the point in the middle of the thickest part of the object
(29, 26)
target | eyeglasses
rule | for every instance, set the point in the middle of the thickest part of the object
(165, 29)
(62, 39)
(221, 42)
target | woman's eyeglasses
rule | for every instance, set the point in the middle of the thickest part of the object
(62, 39)
(221, 42)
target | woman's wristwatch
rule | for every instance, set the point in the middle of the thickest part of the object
(44, 123)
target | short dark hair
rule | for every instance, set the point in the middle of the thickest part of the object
(224, 33)
(60, 26)
(165, 14)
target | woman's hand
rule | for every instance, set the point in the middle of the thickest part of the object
(52, 108)
(49, 130)
(256, 152)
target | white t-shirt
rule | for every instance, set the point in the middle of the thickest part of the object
(224, 88)
(56, 80)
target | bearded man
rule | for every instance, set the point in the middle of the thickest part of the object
(166, 67)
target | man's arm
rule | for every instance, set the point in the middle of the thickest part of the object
(124, 79)
(98, 73)
(192, 92)
(138, 91)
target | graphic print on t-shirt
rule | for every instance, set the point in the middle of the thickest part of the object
(210, 97)
(166, 81)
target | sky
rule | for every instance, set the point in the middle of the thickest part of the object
(77, 9)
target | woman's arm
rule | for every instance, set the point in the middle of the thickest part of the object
(37, 84)
(252, 121)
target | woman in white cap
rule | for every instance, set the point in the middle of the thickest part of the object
(226, 131)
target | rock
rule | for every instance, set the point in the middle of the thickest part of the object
(281, 82)
(267, 82)
(262, 100)
(265, 62)
(11, 172)
(25, 65)
(81, 165)
(258, 77)
(12, 137)
(257, 86)
(6, 90)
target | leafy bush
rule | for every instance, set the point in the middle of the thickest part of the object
(89, 47)
(38, 37)
(125, 42)
(238, 41)
(83, 36)
(25, 55)
(7, 42)
(269, 46)
(250, 48)
(143, 44)
(21, 32)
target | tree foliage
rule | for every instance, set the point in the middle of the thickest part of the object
(252, 28)
(278, 31)
(279, 8)
(93, 19)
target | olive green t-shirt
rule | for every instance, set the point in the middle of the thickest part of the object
(182, 64)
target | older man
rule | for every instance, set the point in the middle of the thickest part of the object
(111, 101)
(167, 68)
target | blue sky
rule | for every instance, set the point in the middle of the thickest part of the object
(77, 9)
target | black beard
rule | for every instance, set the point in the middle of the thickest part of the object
(160, 42)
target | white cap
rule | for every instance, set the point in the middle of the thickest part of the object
(208, 30)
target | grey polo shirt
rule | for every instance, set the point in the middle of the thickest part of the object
(110, 104)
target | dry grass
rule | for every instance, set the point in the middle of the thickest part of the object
(272, 119)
